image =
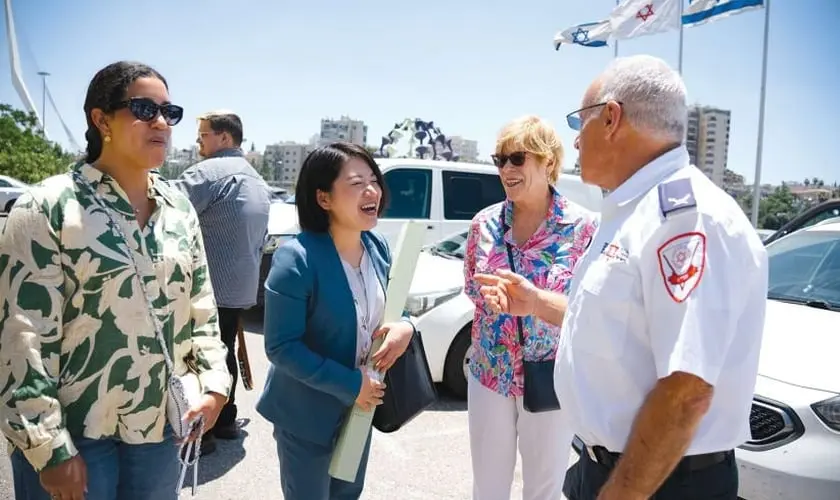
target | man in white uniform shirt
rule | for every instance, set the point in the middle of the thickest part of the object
(662, 328)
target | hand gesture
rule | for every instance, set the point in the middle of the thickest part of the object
(397, 337)
(370, 395)
(507, 292)
(208, 407)
(67, 480)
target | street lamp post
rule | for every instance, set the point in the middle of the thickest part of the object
(44, 76)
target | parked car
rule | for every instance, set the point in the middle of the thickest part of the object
(10, 190)
(446, 195)
(794, 451)
(764, 234)
(826, 210)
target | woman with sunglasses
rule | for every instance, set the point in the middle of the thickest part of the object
(86, 260)
(539, 234)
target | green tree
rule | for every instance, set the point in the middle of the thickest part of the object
(775, 209)
(25, 153)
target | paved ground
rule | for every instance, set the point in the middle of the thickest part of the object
(428, 459)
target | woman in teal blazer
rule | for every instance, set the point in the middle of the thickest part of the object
(324, 300)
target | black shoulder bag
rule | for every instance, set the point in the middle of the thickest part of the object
(539, 375)
(410, 389)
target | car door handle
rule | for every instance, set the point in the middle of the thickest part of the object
(430, 226)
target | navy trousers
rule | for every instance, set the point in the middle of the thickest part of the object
(716, 482)
(304, 470)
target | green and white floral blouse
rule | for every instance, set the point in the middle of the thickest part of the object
(78, 352)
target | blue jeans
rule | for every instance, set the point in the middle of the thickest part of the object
(305, 466)
(115, 470)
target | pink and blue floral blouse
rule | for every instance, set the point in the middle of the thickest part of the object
(547, 259)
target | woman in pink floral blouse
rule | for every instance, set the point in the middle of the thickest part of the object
(546, 234)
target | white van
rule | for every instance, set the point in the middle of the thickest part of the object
(445, 194)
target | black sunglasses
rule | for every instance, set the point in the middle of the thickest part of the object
(517, 159)
(146, 110)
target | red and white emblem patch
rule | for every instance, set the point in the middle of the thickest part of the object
(682, 260)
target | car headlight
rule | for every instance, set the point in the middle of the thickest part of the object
(829, 412)
(419, 304)
(272, 241)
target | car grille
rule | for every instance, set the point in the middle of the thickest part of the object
(765, 422)
(772, 424)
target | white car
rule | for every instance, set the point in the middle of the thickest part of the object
(795, 419)
(442, 312)
(10, 191)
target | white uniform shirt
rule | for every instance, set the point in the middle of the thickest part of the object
(675, 279)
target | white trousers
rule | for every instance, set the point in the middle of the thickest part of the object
(496, 424)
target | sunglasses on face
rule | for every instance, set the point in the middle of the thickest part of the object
(517, 159)
(575, 121)
(146, 110)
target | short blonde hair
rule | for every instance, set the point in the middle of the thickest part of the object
(533, 135)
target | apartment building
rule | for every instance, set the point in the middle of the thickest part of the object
(284, 161)
(465, 149)
(707, 140)
(343, 129)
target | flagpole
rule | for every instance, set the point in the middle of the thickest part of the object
(680, 60)
(760, 143)
(615, 47)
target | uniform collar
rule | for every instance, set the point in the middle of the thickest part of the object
(554, 219)
(645, 178)
(156, 190)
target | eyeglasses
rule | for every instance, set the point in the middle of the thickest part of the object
(574, 120)
(517, 159)
(146, 110)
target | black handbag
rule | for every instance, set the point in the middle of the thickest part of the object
(539, 375)
(409, 388)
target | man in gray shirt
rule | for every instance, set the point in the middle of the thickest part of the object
(232, 201)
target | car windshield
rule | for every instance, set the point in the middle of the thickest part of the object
(452, 247)
(805, 268)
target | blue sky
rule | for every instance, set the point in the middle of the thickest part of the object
(469, 65)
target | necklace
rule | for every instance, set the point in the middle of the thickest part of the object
(366, 308)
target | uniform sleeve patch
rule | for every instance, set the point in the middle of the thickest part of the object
(682, 260)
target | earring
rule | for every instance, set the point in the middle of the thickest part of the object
(107, 139)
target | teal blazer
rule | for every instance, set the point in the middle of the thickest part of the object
(310, 335)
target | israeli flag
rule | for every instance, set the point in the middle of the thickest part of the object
(587, 34)
(702, 11)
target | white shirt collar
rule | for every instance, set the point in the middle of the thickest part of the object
(646, 177)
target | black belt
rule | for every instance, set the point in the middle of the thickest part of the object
(609, 459)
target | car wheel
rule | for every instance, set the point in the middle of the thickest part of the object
(455, 366)
(10, 205)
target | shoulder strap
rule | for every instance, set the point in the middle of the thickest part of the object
(521, 336)
(676, 195)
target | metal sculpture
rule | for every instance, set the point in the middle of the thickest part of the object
(433, 144)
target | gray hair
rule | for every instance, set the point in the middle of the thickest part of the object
(653, 95)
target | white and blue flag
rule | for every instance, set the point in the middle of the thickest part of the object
(587, 34)
(702, 11)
